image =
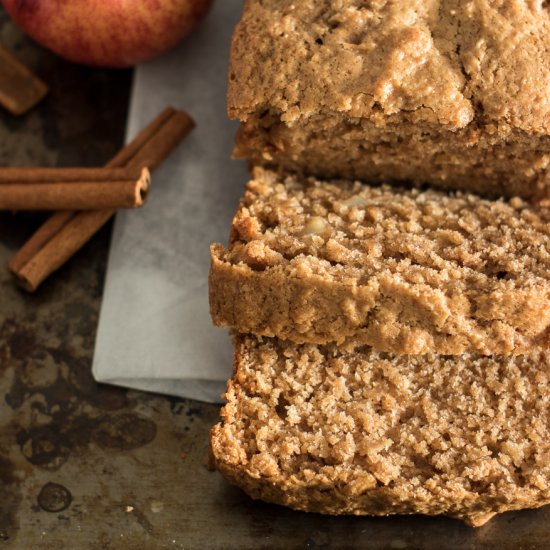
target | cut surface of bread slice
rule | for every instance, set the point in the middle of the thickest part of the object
(403, 271)
(323, 429)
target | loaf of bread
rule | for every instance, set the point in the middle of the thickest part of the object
(321, 429)
(452, 93)
(392, 339)
(404, 271)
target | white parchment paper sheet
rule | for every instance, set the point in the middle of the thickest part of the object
(155, 331)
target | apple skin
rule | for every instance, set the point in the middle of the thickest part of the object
(107, 33)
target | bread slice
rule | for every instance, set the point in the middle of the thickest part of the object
(404, 271)
(451, 93)
(323, 429)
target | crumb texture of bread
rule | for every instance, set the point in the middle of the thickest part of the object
(454, 93)
(403, 271)
(321, 429)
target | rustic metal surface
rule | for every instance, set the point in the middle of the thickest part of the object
(84, 466)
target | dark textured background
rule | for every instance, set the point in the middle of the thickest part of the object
(85, 466)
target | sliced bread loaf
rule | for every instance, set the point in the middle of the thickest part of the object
(322, 429)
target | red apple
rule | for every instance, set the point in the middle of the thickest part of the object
(107, 33)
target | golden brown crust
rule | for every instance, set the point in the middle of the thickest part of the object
(323, 429)
(402, 271)
(452, 93)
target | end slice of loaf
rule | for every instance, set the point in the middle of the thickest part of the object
(322, 429)
(404, 271)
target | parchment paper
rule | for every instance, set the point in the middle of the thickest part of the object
(155, 331)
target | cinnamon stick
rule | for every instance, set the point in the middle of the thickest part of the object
(20, 90)
(56, 222)
(64, 233)
(23, 174)
(72, 188)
